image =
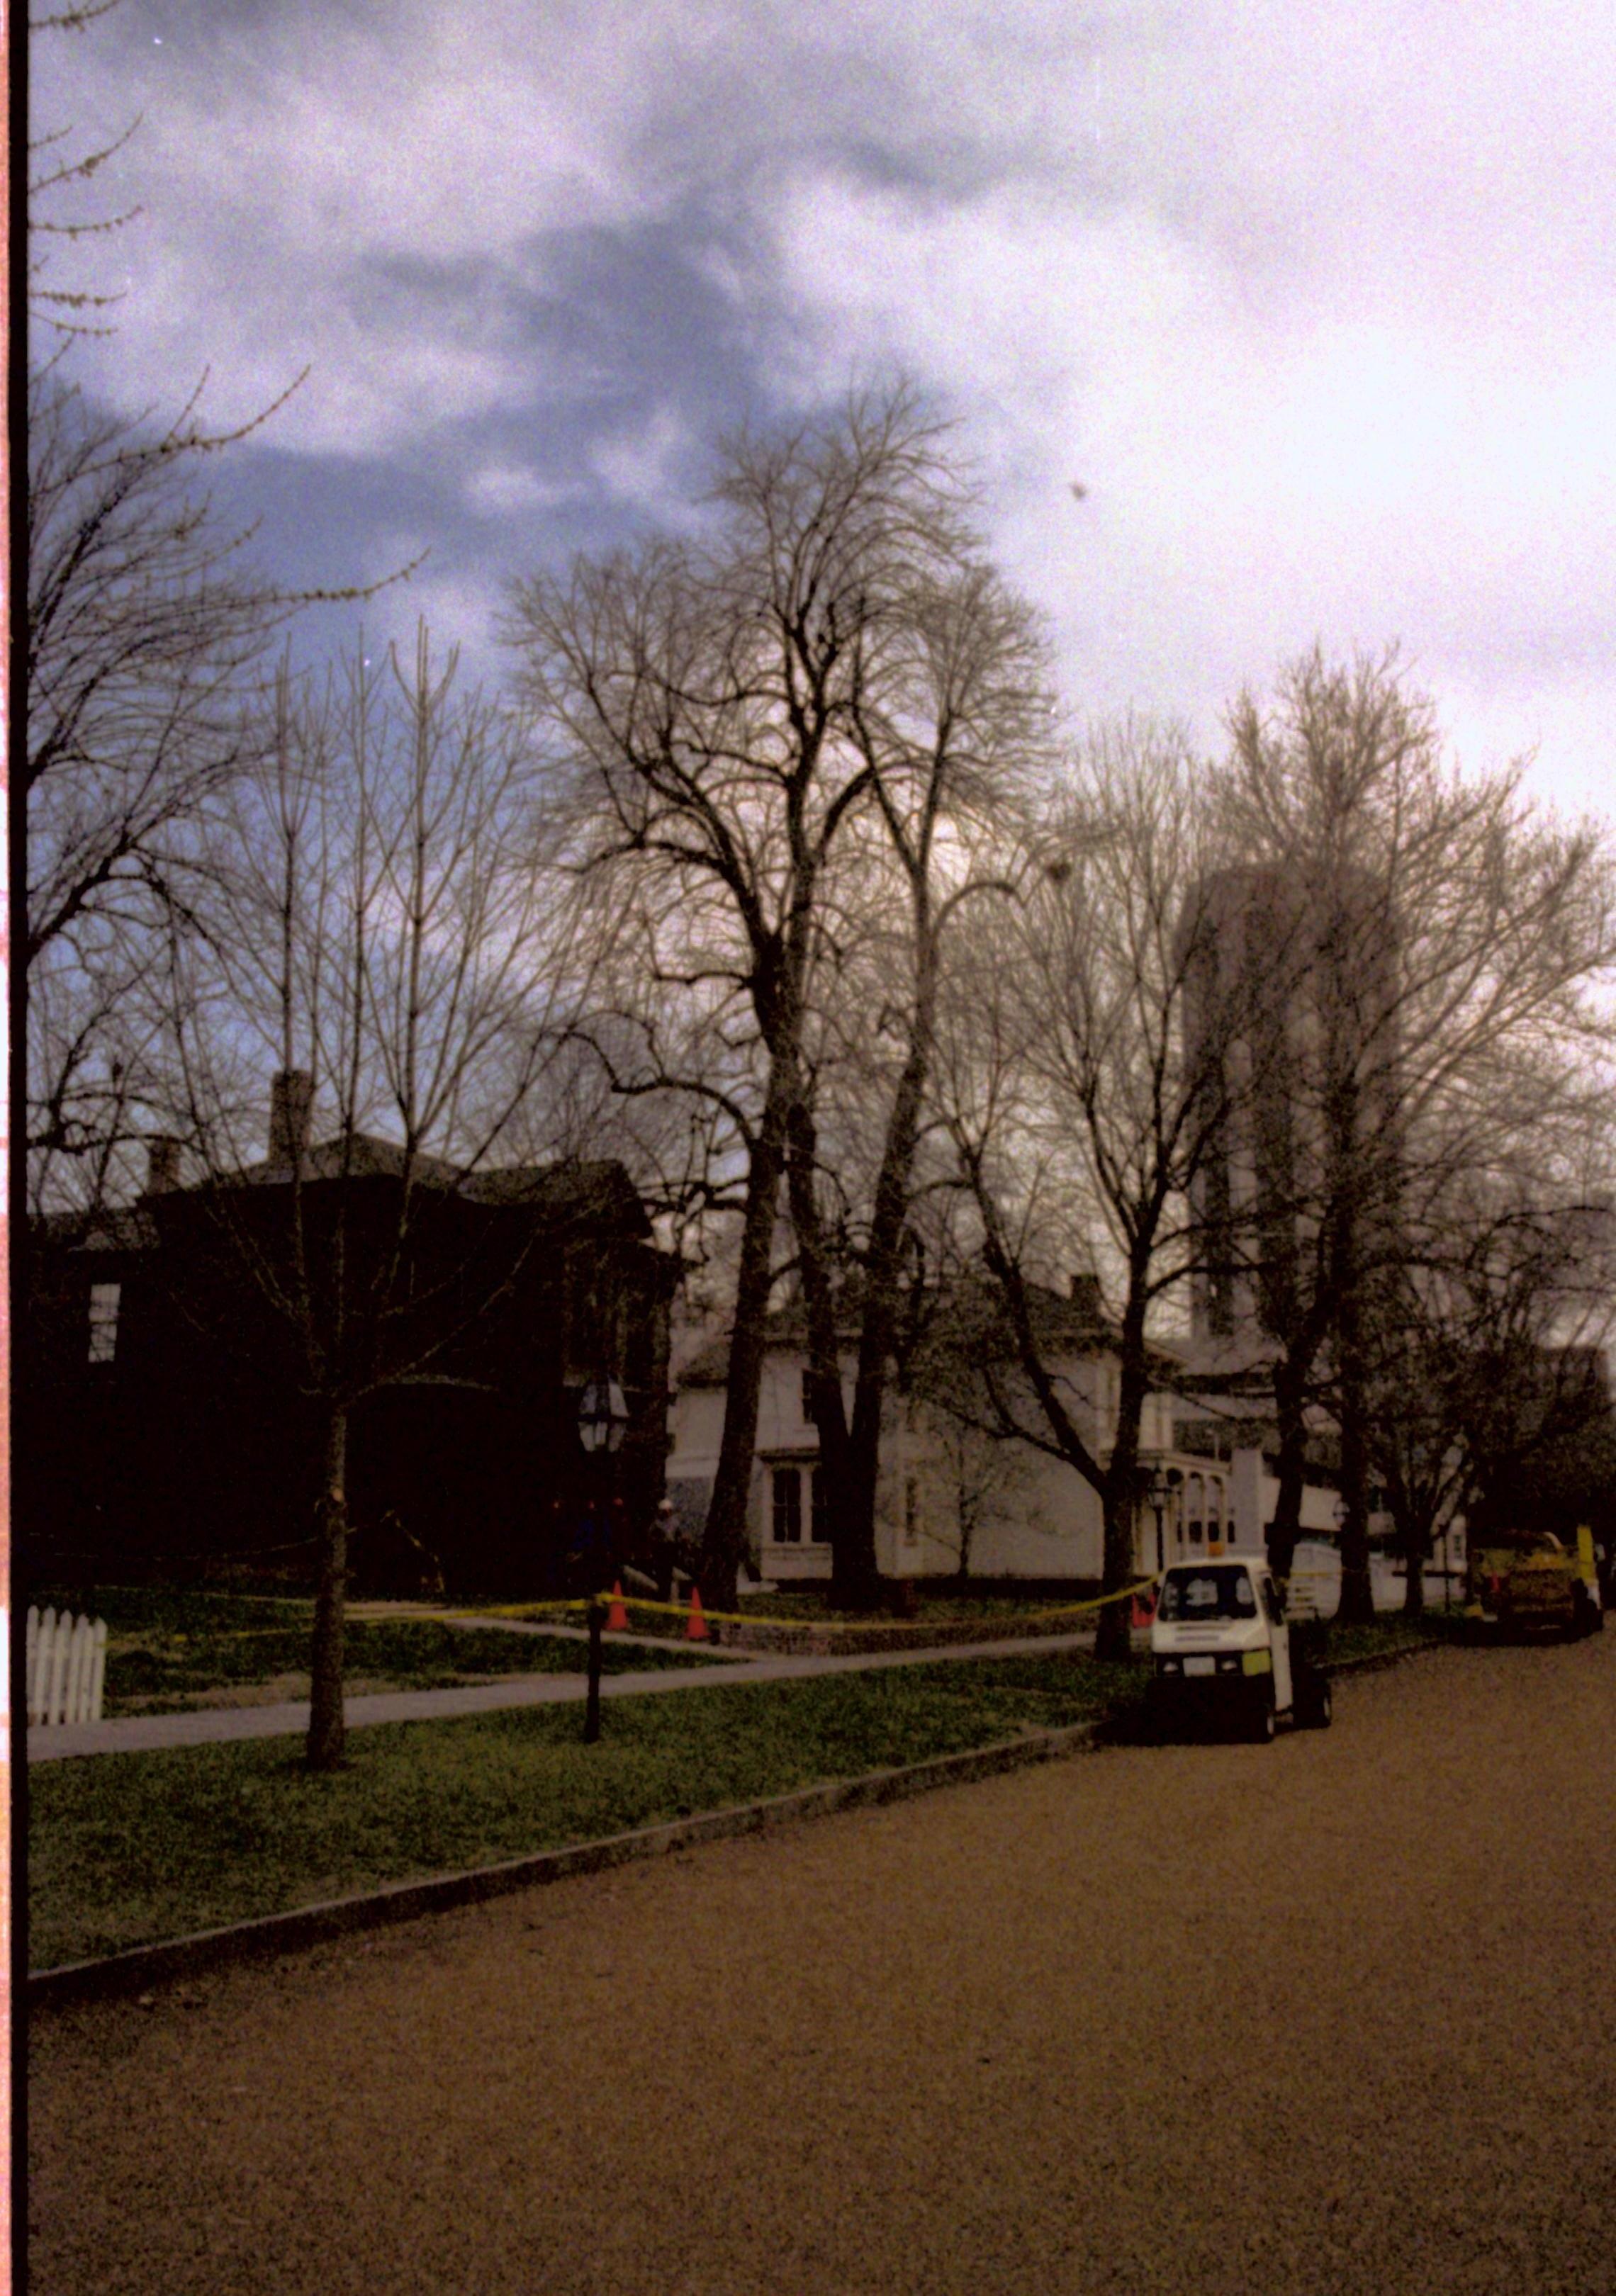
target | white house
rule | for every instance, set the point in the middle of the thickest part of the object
(952, 1499)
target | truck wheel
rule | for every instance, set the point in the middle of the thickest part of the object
(1314, 1709)
(1262, 1724)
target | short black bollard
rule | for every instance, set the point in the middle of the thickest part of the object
(592, 1703)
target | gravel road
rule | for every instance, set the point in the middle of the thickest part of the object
(1337, 2015)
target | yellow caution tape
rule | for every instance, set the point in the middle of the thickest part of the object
(797, 1625)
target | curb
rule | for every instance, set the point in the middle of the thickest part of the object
(403, 1901)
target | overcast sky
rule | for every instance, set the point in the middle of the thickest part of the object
(1317, 305)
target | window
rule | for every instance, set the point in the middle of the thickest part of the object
(1195, 1502)
(791, 1501)
(819, 1516)
(809, 1419)
(103, 1321)
(1221, 1591)
(788, 1507)
(1214, 1507)
(911, 1512)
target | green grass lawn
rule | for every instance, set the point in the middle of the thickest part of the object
(125, 1848)
(811, 1606)
(1391, 1631)
(167, 1647)
(805, 1605)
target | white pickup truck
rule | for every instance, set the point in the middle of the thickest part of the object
(1221, 1650)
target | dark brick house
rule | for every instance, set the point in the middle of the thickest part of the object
(169, 1422)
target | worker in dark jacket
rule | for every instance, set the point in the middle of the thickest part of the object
(664, 1550)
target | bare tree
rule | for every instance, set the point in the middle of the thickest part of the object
(146, 636)
(375, 937)
(1487, 1391)
(1435, 933)
(1416, 1395)
(1532, 1312)
(1079, 1108)
(955, 750)
(57, 173)
(952, 1379)
(714, 701)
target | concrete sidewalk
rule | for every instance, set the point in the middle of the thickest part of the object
(140, 1733)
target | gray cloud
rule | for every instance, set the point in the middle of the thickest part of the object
(1317, 306)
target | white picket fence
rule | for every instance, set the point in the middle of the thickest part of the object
(65, 1666)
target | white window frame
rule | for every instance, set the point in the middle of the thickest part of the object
(792, 1508)
(806, 1511)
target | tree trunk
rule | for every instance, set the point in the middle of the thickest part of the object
(850, 1459)
(857, 1576)
(1293, 1462)
(967, 1531)
(1414, 1550)
(878, 1335)
(326, 1727)
(724, 1540)
(1113, 1634)
(1357, 1594)
(852, 1587)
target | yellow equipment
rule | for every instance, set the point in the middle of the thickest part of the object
(1528, 1582)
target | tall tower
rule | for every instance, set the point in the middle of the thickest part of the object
(1289, 1018)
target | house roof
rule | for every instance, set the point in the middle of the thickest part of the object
(1061, 1326)
(568, 1190)
(585, 1191)
(571, 1189)
(785, 1331)
(357, 1156)
(118, 1228)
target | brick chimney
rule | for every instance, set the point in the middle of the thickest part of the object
(291, 1099)
(1083, 1290)
(162, 1162)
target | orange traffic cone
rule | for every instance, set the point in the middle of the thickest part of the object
(618, 1615)
(695, 1631)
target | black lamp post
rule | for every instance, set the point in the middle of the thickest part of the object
(1163, 1482)
(603, 1421)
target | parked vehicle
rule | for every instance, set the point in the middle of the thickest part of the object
(1222, 1652)
(1529, 1583)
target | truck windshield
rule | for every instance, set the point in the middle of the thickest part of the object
(1222, 1590)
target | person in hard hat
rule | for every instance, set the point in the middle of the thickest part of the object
(664, 1549)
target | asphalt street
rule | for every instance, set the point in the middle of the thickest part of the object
(1336, 2015)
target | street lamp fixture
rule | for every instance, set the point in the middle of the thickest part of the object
(602, 1416)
